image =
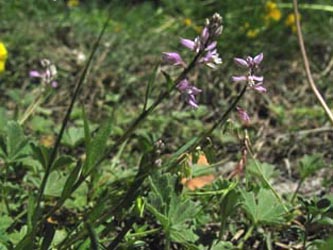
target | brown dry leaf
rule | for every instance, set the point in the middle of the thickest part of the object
(198, 182)
(202, 160)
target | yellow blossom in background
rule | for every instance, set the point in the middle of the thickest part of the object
(3, 57)
(291, 22)
(272, 12)
(253, 33)
(2, 66)
(47, 140)
(73, 3)
(187, 22)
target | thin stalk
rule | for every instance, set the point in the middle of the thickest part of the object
(5, 190)
(246, 237)
(131, 129)
(32, 107)
(307, 64)
(300, 182)
(278, 197)
(64, 125)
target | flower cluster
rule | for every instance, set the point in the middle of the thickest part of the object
(204, 46)
(253, 81)
(3, 57)
(48, 75)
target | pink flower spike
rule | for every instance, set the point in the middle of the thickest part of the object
(260, 88)
(188, 43)
(173, 58)
(34, 73)
(243, 115)
(241, 62)
(258, 58)
(239, 78)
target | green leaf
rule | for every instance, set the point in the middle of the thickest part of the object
(62, 161)
(16, 143)
(149, 86)
(87, 136)
(263, 208)
(169, 80)
(71, 180)
(55, 183)
(159, 216)
(261, 170)
(73, 137)
(96, 148)
(310, 164)
(171, 210)
(41, 154)
(31, 209)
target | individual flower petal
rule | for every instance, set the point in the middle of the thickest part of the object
(211, 46)
(258, 58)
(239, 78)
(173, 58)
(260, 88)
(257, 78)
(192, 101)
(204, 35)
(241, 62)
(188, 43)
(34, 73)
(243, 115)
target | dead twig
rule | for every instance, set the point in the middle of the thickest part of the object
(307, 65)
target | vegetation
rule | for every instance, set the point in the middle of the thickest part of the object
(141, 125)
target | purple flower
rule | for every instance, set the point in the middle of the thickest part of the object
(48, 75)
(243, 115)
(211, 59)
(173, 58)
(188, 92)
(253, 81)
(250, 62)
(192, 45)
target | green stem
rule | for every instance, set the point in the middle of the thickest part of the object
(299, 184)
(246, 237)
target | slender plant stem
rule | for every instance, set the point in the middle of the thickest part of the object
(246, 237)
(299, 184)
(64, 125)
(130, 129)
(307, 64)
(32, 108)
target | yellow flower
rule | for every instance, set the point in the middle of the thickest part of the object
(272, 11)
(252, 33)
(187, 22)
(3, 52)
(3, 57)
(2, 66)
(291, 22)
(73, 3)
